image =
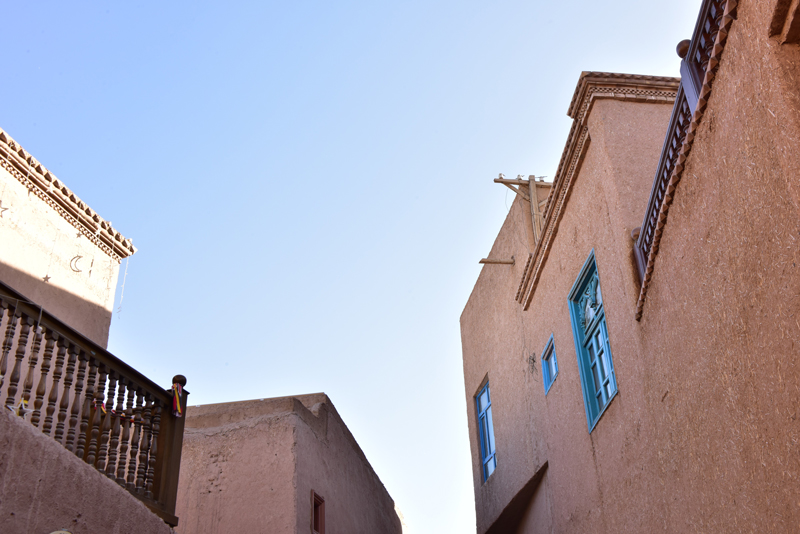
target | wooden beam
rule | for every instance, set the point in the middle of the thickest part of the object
(496, 261)
(518, 190)
(509, 181)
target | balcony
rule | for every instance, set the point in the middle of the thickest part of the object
(700, 58)
(92, 403)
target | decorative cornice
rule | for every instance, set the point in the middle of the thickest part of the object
(591, 86)
(523, 283)
(729, 15)
(38, 180)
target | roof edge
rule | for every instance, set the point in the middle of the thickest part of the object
(37, 179)
(591, 86)
(615, 80)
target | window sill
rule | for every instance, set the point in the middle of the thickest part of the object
(600, 415)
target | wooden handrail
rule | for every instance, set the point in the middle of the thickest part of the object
(696, 59)
(97, 406)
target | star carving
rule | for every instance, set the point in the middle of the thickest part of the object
(46, 278)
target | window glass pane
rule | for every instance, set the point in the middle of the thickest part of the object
(490, 467)
(599, 294)
(483, 400)
(490, 432)
(596, 377)
(484, 436)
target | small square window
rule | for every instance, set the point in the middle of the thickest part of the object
(549, 365)
(318, 515)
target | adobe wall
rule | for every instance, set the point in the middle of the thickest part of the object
(36, 241)
(331, 463)
(720, 322)
(703, 434)
(251, 466)
(499, 338)
(44, 488)
(238, 468)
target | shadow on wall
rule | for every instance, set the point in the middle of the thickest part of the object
(88, 318)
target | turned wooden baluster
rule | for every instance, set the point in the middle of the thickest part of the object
(86, 409)
(53, 398)
(151, 467)
(119, 413)
(41, 389)
(144, 449)
(16, 372)
(33, 360)
(106, 424)
(137, 432)
(126, 435)
(97, 414)
(76, 400)
(11, 328)
(63, 406)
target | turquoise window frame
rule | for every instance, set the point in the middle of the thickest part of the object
(486, 432)
(549, 364)
(590, 332)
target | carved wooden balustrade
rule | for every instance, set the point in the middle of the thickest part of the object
(95, 405)
(700, 57)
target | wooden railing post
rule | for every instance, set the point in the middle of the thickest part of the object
(11, 329)
(33, 360)
(76, 401)
(172, 440)
(41, 389)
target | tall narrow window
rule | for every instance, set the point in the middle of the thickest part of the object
(549, 364)
(488, 459)
(591, 342)
(318, 515)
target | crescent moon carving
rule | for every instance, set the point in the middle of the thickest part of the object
(73, 264)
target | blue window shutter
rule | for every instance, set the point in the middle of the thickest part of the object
(483, 402)
(590, 332)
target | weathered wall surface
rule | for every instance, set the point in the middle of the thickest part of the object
(44, 488)
(703, 435)
(500, 339)
(720, 323)
(251, 467)
(37, 242)
(330, 463)
(238, 468)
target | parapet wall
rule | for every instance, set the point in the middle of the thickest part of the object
(45, 488)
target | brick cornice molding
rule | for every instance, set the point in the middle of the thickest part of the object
(41, 182)
(591, 86)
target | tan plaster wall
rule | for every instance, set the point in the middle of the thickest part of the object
(237, 468)
(330, 462)
(36, 241)
(703, 435)
(536, 518)
(44, 488)
(251, 466)
(721, 316)
(498, 338)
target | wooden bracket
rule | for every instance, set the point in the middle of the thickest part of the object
(496, 261)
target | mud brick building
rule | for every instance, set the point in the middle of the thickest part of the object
(635, 368)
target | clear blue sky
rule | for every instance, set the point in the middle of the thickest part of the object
(310, 188)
